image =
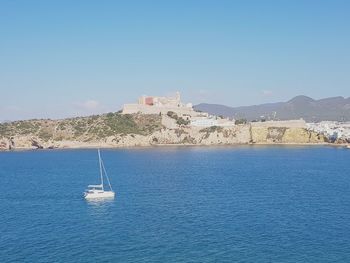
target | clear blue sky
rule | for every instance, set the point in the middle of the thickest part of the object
(65, 58)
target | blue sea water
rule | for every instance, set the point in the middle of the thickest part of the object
(187, 204)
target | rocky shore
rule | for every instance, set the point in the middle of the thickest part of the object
(114, 130)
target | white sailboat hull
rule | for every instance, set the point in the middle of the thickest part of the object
(99, 194)
(98, 191)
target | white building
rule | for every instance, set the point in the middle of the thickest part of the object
(208, 121)
(332, 129)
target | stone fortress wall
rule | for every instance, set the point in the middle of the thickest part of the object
(157, 105)
(291, 131)
(279, 124)
(146, 109)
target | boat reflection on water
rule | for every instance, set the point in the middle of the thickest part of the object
(100, 209)
(100, 201)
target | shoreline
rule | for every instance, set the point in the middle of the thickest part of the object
(86, 147)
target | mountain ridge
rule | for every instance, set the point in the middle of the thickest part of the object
(326, 109)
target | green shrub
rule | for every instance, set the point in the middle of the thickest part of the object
(240, 121)
(182, 121)
(212, 129)
(45, 135)
(172, 115)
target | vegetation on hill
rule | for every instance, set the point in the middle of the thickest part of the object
(179, 120)
(240, 121)
(210, 130)
(84, 128)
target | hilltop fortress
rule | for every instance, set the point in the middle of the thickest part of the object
(165, 105)
(160, 105)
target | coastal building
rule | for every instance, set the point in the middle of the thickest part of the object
(204, 122)
(331, 129)
(208, 121)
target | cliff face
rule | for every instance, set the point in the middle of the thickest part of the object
(285, 135)
(115, 130)
(180, 135)
(206, 136)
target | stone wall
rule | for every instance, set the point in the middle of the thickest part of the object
(146, 109)
(284, 135)
(287, 124)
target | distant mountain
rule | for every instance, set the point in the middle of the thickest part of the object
(331, 109)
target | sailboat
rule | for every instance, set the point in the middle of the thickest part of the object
(98, 191)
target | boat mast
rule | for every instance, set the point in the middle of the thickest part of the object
(99, 160)
(104, 169)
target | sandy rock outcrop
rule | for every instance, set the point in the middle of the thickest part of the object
(4, 144)
(285, 135)
(206, 136)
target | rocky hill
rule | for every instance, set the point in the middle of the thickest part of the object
(118, 130)
(328, 109)
(52, 133)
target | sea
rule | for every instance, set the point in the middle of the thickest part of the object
(177, 204)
